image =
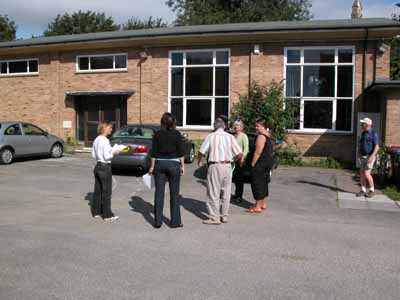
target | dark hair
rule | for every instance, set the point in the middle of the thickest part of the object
(262, 122)
(168, 121)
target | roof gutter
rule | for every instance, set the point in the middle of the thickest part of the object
(194, 34)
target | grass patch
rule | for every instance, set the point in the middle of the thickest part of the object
(392, 192)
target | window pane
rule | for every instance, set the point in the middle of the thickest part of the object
(293, 81)
(199, 58)
(221, 107)
(343, 115)
(177, 59)
(199, 81)
(198, 112)
(293, 56)
(177, 81)
(222, 57)
(13, 130)
(345, 81)
(222, 81)
(3, 68)
(319, 56)
(83, 63)
(18, 66)
(33, 66)
(101, 62)
(120, 61)
(345, 55)
(32, 130)
(319, 81)
(318, 114)
(177, 110)
(293, 107)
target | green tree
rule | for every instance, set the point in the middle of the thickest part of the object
(80, 22)
(395, 55)
(197, 12)
(266, 102)
(7, 29)
(135, 23)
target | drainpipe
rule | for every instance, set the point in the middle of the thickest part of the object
(375, 60)
(248, 93)
(364, 67)
(140, 92)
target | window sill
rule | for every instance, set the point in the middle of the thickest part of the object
(195, 128)
(319, 132)
(102, 71)
(19, 75)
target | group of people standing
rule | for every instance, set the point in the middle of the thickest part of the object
(225, 153)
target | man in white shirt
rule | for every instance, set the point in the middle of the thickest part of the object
(222, 150)
(102, 152)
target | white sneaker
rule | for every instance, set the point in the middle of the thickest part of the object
(224, 219)
(111, 218)
(97, 216)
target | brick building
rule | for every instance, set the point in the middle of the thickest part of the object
(334, 69)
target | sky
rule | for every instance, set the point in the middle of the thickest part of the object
(32, 16)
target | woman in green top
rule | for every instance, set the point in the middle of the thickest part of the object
(243, 142)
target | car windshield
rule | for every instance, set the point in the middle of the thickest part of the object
(134, 132)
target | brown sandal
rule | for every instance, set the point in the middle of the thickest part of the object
(253, 210)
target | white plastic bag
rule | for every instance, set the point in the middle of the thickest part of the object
(148, 181)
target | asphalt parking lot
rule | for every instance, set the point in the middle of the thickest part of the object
(304, 247)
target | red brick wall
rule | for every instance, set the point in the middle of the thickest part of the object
(41, 99)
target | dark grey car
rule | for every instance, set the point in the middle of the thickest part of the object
(20, 139)
(138, 138)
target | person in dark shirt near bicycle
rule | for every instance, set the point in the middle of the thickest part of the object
(368, 149)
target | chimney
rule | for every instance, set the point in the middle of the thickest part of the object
(357, 10)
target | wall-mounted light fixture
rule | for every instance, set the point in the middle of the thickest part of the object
(257, 49)
(383, 47)
(143, 54)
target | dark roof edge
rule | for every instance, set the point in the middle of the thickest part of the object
(223, 29)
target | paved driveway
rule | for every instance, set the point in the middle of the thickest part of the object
(304, 247)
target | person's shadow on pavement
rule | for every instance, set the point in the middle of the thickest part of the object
(196, 207)
(137, 204)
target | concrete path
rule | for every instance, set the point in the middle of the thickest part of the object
(303, 247)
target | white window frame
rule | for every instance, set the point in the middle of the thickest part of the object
(27, 73)
(113, 55)
(334, 99)
(213, 97)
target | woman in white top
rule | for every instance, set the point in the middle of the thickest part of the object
(102, 152)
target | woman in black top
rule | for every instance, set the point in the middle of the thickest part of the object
(167, 163)
(262, 163)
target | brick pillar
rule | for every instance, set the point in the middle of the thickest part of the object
(392, 122)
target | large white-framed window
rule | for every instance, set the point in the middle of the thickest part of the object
(102, 63)
(199, 86)
(29, 66)
(319, 82)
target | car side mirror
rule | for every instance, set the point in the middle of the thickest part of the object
(46, 133)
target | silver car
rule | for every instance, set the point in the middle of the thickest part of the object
(20, 139)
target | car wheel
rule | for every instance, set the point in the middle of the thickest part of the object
(190, 157)
(6, 156)
(56, 151)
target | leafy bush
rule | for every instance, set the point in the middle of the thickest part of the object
(266, 102)
(71, 141)
(288, 155)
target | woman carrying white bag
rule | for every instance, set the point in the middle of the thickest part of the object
(167, 164)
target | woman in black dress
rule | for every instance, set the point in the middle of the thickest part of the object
(167, 164)
(262, 164)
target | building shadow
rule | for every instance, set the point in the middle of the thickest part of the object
(146, 209)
